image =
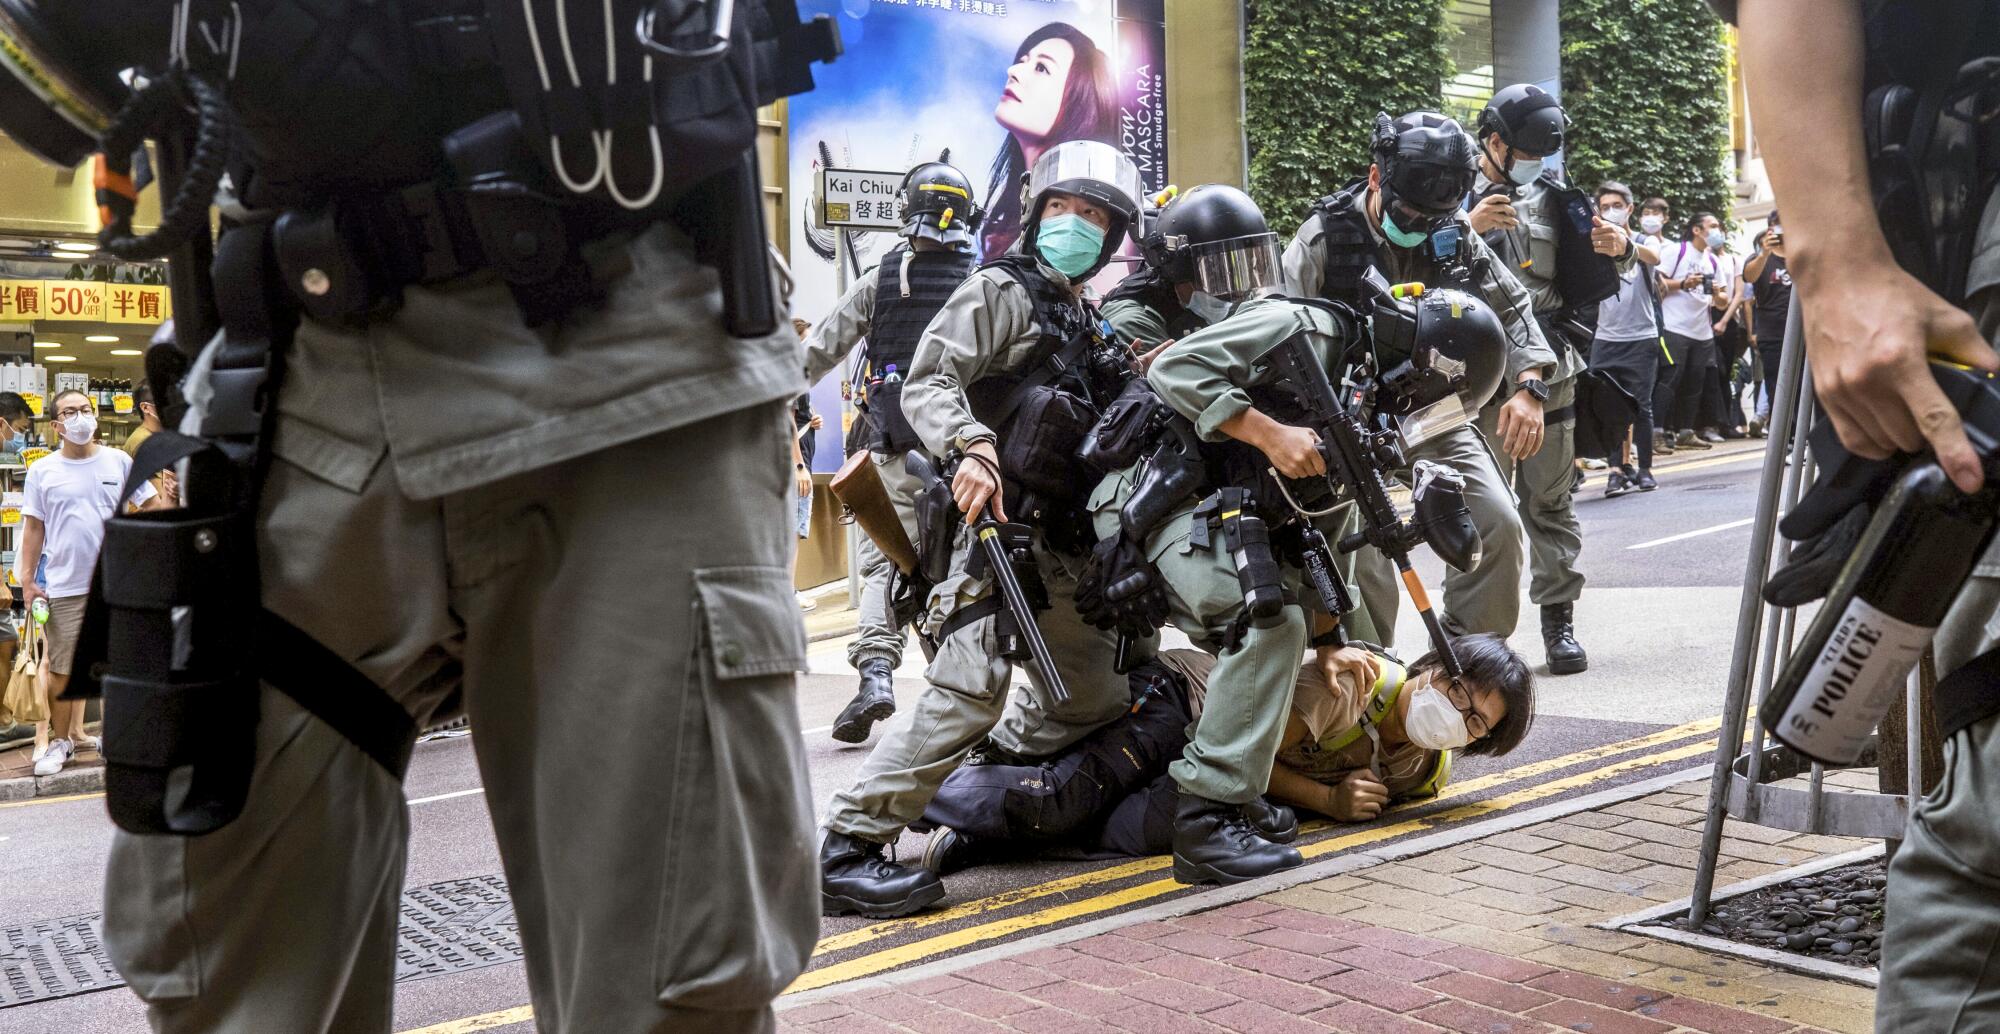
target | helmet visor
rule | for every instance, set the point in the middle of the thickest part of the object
(1094, 171)
(1434, 191)
(1237, 268)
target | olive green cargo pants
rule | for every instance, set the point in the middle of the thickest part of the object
(621, 630)
(1548, 509)
(967, 699)
(1235, 739)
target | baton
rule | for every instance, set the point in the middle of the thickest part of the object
(1000, 558)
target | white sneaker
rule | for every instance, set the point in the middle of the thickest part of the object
(84, 741)
(52, 762)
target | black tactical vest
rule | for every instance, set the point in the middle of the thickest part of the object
(1154, 291)
(895, 327)
(1059, 318)
(1346, 244)
(910, 288)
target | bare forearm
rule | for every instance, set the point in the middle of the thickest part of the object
(1805, 87)
(1290, 787)
(1250, 427)
(31, 551)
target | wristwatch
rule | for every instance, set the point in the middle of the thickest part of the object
(1535, 386)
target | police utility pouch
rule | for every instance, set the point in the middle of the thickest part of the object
(1129, 426)
(179, 741)
(1039, 452)
(1582, 275)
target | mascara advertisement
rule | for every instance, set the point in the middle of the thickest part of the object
(990, 83)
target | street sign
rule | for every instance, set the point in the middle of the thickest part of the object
(857, 199)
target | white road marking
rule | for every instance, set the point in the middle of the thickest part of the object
(448, 796)
(1692, 534)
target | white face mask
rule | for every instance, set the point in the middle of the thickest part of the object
(1716, 239)
(1526, 170)
(1433, 723)
(1651, 223)
(1617, 216)
(80, 429)
(1208, 307)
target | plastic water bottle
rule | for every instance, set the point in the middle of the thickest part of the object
(40, 610)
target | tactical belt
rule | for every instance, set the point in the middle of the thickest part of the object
(1969, 695)
(968, 614)
(1557, 416)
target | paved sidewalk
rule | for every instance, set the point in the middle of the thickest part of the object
(1489, 937)
(83, 774)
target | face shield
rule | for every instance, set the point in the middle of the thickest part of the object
(1095, 172)
(1237, 269)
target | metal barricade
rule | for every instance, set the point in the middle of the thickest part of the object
(1744, 786)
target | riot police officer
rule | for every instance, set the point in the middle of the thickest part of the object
(1225, 543)
(1160, 302)
(526, 459)
(1017, 327)
(890, 306)
(1404, 221)
(1521, 213)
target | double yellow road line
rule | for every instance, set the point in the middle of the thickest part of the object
(978, 930)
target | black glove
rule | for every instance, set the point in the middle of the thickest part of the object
(1121, 590)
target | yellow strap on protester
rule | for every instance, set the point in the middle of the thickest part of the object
(1440, 775)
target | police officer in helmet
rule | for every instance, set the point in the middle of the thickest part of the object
(1161, 302)
(1225, 544)
(1520, 213)
(890, 306)
(993, 341)
(479, 436)
(1404, 222)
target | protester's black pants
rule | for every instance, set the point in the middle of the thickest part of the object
(1678, 373)
(1770, 352)
(1636, 366)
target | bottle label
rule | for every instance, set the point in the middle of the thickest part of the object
(1857, 676)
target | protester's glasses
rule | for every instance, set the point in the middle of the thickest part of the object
(1461, 698)
(69, 411)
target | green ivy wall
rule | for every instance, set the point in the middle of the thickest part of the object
(1644, 81)
(1646, 84)
(1315, 72)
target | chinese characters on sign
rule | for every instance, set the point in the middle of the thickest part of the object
(857, 200)
(83, 301)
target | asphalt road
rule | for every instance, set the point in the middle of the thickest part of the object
(1664, 570)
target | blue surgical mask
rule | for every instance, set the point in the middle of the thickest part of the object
(1210, 308)
(1716, 239)
(1070, 243)
(1397, 235)
(1525, 171)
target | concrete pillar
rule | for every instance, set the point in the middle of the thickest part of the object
(1527, 43)
(1205, 142)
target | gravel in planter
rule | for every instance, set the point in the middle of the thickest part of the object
(1835, 915)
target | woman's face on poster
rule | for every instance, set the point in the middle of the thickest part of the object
(1034, 95)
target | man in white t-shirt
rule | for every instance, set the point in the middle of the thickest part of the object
(69, 495)
(1691, 280)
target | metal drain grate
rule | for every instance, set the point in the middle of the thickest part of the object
(54, 959)
(448, 927)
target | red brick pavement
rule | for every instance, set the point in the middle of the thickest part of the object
(1259, 968)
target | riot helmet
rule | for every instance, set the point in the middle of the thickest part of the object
(1427, 165)
(1097, 173)
(1443, 354)
(938, 205)
(61, 84)
(1528, 119)
(1215, 238)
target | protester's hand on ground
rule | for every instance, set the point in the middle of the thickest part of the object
(1359, 797)
(1521, 426)
(1867, 334)
(978, 482)
(1493, 212)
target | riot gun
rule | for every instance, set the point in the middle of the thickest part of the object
(1357, 457)
(1005, 550)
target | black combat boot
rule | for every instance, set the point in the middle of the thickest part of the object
(855, 877)
(1273, 822)
(875, 701)
(1214, 843)
(1566, 656)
